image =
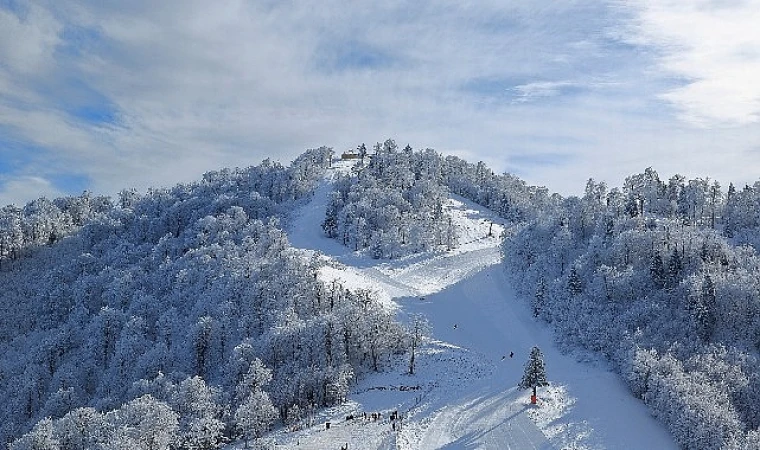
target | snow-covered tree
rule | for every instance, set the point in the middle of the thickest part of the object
(418, 329)
(40, 438)
(146, 423)
(703, 309)
(539, 299)
(201, 425)
(574, 282)
(657, 270)
(391, 207)
(81, 428)
(254, 416)
(535, 372)
(652, 280)
(169, 283)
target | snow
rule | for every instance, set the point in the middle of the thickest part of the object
(463, 394)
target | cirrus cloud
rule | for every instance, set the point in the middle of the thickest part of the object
(112, 95)
(714, 48)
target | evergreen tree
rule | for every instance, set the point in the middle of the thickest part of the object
(574, 282)
(704, 309)
(632, 206)
(657, 270)
(535, 371)
(540, 297)
(729, 211)
(330, 224)
(675, 266)
(609, 228)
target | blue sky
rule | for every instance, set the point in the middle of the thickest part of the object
(106, 96)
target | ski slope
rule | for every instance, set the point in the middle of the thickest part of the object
(463, 394)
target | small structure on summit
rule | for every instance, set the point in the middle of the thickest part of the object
(349, 154)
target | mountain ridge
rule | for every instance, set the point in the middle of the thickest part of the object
(212, 302)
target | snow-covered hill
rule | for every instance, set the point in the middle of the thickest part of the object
(463, 394)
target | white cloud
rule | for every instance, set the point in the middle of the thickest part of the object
(21, 190)
(234, 83)
(539, 89)
(197, 85)
(27, 40)
(713, 48)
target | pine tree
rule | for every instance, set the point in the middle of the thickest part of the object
(675, 266)
(609, 229)
(704, 252)
(632, 206)
(540, 298)
(330, 224)
(535, 372)
(657, 270)
(574, 283)
(704, 309)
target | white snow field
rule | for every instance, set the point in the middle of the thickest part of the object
(464, 393)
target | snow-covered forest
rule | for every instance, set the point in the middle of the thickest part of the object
(391, 206)
(185, 316)
(662, 279)
(393, 203)
(180, 316)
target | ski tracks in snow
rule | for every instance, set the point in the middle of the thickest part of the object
(464, 392)
(455, 413)
(492, 421)
(431, 275)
